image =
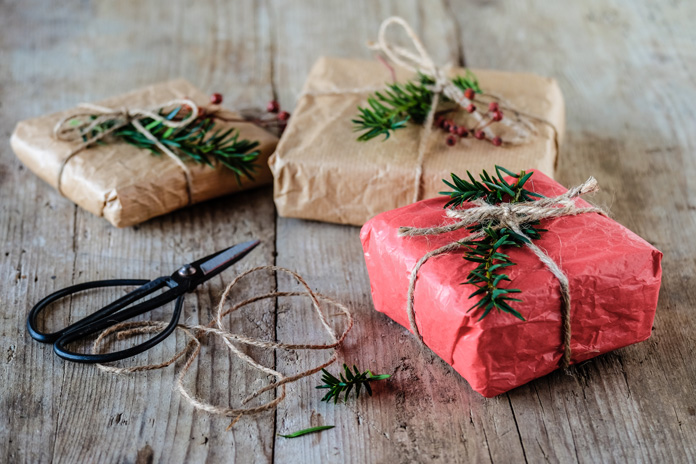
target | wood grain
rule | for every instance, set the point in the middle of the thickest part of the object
(627, 71)
(69, 413)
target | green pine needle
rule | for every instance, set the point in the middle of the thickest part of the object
(347, 382)
(199, 141)
(486, 252)
(393, 108)
(299, 433)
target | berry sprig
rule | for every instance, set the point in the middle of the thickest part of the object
(274, 119)
(477, 131)
(486, 252)
(282, 117)
(398, 104)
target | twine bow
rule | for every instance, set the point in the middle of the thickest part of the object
(81, 127)
(216, 328)
(512, 216)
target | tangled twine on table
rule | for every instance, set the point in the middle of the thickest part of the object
(81, 127)
(512, 216)
(215, 327)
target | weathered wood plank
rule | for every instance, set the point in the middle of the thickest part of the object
(64, 412)
(627, 73)
(426, 412)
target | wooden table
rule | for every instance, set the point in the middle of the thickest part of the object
(627, 70)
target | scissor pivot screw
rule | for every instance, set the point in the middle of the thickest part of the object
(187, 271)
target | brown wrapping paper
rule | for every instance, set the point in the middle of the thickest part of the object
(124, 184)
(322, 172)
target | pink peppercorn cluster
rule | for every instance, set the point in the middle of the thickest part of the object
(456, 132)
(274, 118)
(273, 107)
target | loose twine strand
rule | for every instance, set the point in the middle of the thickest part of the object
(215, 327)
(421, 62)
(67, 130)
(512, 216)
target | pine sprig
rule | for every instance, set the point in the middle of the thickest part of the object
(491, 263)
(345, 383)
(391, 109)
(199, 141)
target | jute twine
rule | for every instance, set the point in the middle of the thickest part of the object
(421, 62)
(512, 216)
(216, 328)
(80, 126)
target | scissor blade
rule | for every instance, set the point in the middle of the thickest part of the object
(227, 257)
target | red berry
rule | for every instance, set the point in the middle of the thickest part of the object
(216, 98)
(462, 132)
(497, 116)
(451, 140)
(497, 141)
(493, 106)
(454, 129)
(469, 93)
(273, 106)
(439, 120)
(283, 116)
(479, 134)
(471, 108)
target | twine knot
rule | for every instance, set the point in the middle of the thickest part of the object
(85, 126)
(421, 62)
(513, 216)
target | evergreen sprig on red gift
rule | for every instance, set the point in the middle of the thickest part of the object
(491, 262)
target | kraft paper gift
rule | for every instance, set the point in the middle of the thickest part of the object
(122, 183)
(322, 172)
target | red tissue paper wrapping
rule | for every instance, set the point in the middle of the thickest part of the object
(614, 280)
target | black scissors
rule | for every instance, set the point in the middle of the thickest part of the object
(184, 280)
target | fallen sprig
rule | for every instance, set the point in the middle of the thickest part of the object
(347, 382)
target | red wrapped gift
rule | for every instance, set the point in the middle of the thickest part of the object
(614, 281)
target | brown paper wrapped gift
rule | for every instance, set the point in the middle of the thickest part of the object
(323, 173)
(125, 184)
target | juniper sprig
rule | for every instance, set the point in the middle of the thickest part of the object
(345, 383)
(393, 108)
(200, 141)
(486, 252)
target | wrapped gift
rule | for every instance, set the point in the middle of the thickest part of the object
(322, 172)
(127, 184)
(414, 258)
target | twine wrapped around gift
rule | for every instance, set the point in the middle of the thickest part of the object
(216, 328)
(512, 216)
(421, 62)
(81, 127)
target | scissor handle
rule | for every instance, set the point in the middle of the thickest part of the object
(109, 315)
(60, 350)
(146, 287)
